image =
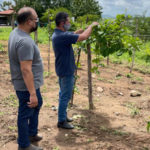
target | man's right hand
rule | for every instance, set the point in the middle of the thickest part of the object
(87, 32)
(33, 101)
(94, 24)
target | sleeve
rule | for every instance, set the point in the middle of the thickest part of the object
(71, 38)
(25, 50)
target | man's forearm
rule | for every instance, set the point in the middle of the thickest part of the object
(85, 34)
(88, 31)
(79, 31)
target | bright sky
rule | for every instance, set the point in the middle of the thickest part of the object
(133, 7)
(113, 7)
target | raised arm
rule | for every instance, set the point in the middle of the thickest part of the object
(83, 36)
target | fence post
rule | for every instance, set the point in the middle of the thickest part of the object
(76, 73)
(91, 106)
(49, 24)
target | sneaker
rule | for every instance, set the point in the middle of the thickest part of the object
(65, 125)
(31, 147)
(36, 138)
(69, 119)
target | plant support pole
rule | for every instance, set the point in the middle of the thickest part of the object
(76, 73)
(91, 106)
(48, 59)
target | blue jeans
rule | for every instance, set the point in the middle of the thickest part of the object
(66, 86)
(27, 117)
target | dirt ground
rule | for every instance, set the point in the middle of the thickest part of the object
(118, 122)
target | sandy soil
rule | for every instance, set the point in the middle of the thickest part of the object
(118, 121)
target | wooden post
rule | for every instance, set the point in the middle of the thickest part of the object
(76, 73)
(107, 57)
(12, 21)
(49, 24)
(91, 106)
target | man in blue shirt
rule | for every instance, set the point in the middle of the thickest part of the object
(65, 63)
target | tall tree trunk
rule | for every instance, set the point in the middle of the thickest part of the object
(107, 60)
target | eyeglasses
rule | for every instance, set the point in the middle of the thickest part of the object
(36, 20)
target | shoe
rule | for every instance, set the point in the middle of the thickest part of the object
(69, 119)
(31, 147)
(35, 138)
(65, 125)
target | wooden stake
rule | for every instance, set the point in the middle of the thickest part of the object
(49, 23)
(91, 106)
(76, 73)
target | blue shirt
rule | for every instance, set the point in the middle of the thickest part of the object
(64, 55)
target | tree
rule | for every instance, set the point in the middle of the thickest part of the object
(84, 7)
(79, 7)
(76, 7)
(6, 5)
(52, 13)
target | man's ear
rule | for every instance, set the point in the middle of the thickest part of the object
(62, 24)
(29, 21)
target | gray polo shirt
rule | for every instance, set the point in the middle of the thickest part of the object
(21, 47)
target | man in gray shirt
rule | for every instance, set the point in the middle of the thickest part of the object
(27, 77)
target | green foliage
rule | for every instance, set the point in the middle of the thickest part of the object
(108, 36)
(139, 25)
(6, 5)
(88, 18)
(131, 43)
(129, 75)
(51, 13)
(148, 126)
(83, 7)
(76, 7)
(111, 36)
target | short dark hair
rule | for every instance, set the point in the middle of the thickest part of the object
(23, 17)
(61, 17)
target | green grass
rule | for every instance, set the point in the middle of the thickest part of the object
(142, 59)
(5, 32)
(1, 48)
(134, 110)
(42, 34)
(11, 100)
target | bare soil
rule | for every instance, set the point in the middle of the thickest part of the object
(118, 121)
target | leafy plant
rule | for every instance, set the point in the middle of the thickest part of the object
(148, 126)
(133, 109)
(1, 48)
